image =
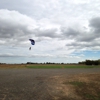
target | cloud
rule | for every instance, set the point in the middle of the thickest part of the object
(69, 32)
(15, 27)
(51, 33)
(69, 56)
(11, 55)
(85, 40)
(48, 23)
(95, 24)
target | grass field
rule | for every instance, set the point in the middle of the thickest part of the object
(46, 66)
(61, 66)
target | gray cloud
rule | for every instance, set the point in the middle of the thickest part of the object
(94, 33)
(84, 44)
(86, 39)
(51, 33)
(17, 30)
(15, 27)
(69, 32)
(95, 24)
(11, 55)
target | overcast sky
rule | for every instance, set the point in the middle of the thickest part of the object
(64, 30)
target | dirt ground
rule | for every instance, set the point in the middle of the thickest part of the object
(50, 84)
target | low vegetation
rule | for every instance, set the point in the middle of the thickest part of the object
(88, 90)
(61, 66)
(47, 66)
(77, 87)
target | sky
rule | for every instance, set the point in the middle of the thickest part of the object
(65, 31)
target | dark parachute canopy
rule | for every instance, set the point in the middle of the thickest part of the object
(32, 42)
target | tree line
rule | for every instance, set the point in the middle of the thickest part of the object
(90, 62)
(49, 63)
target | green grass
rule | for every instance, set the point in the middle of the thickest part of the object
(60, 66)
(89, 96)
(88, 91)
(77, 83)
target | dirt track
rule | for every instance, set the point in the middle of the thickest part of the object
(33, 84)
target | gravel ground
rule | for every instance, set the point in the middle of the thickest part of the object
(32, 84)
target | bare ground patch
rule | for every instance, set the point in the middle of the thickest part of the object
(7, 66)
(75, 87)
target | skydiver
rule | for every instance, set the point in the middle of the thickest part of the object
(30, 48)
(32, 43)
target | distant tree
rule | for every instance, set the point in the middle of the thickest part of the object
(83, 62)
(62, 63)
(96, 62)
(99, 61)
(88, 62)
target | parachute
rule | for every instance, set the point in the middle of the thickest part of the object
(32, 42)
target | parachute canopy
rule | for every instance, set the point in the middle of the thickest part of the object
(32, 41)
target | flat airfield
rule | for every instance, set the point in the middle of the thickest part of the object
(41, 84)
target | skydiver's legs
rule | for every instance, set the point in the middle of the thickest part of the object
(30, 48)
